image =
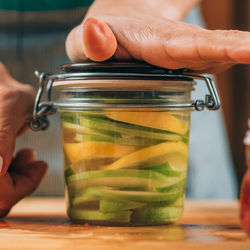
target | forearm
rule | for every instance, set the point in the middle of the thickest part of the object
(171, 9)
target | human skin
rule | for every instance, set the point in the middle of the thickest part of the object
(152, 31)
(146, 30)
(24, 173)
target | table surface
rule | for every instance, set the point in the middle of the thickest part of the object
(41, 223)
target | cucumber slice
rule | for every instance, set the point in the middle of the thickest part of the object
(80, 129)
(109, 206)
(126, 128)
(133, 141)
(137, 196)
(70, 117)
(96, 215)
(167, 169)
(69, 131)
(156, 154)
(68, 172)
(156, 215)
(123, 178)
(179, 185)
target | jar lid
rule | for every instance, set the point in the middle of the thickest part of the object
(121, 71)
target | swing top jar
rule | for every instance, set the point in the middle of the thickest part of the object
(125, 129)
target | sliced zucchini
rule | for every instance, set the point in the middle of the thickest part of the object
(137, 196)
(109, 206)
(127, 129)
(123, 178)
(96, 215)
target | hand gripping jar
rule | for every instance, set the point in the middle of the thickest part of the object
(125, 130)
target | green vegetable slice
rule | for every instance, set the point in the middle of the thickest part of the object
(133, 141)
(109, 206)
(126, 128)
(166, 169)
(80, 129)
(137, 196)
(96, 215)
(179, 185)
(121, 178)
(156, 215)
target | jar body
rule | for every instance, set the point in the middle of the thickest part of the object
(125, 167)
(125, 154)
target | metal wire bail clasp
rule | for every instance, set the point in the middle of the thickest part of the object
(39, 121)
(212, 100)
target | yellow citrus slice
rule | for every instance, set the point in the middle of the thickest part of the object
(163, 152)
(158, 120)
(94, 150)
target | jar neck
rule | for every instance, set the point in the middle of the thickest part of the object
(125, 94)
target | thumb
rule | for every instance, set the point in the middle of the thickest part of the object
(92, 39)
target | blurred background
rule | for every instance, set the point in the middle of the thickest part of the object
(234, 84)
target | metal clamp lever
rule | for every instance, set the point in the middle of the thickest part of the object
(212, 101)
(39, 120)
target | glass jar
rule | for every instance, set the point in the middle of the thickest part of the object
(245, 188)
(125, 129)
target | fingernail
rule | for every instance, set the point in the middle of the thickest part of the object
(1, 163)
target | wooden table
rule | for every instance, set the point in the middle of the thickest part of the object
(41, 223)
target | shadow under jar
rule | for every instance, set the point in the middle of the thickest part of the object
(125, 129)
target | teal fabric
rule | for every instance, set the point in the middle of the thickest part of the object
(43, 5)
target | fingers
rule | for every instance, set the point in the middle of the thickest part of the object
(92, 39)
(22, 179)
(16, 104)
(179, 45)
(161, 42)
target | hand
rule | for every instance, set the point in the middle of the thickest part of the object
(24, 174)
(130, 29)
